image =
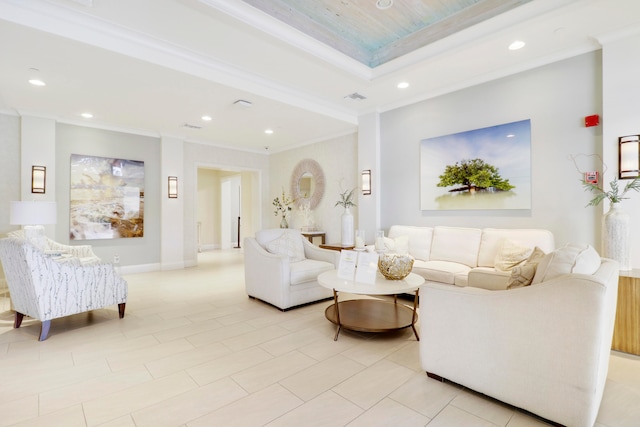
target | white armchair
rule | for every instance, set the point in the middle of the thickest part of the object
(281, 268)
(45, 285)
(543, 348)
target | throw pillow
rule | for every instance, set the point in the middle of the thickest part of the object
(289, 245)
(522, 275)
(511, 254)
(571, 258)
(398, 245)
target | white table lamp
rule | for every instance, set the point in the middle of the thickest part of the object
(32, 216)
(32, 213)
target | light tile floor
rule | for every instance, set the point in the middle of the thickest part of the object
(193, 350)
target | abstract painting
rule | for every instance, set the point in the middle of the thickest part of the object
(106, 198)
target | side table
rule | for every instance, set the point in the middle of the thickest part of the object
(311, 234)
(335, 246)
(626, 332)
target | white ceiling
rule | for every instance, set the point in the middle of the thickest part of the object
(150, 66)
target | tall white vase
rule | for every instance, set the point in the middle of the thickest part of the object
(615, 236)
(347, 238)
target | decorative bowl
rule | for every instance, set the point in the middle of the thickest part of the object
(395, 266)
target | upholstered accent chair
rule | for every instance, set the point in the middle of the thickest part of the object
(281, 268)
(57, 281)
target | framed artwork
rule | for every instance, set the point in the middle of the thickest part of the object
(106, 198)
(488, 168)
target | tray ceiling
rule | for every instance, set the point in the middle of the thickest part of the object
(374, 36)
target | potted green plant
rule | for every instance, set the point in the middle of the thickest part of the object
(615, 223)
(613, 195)
(346, 201)
(282, 207)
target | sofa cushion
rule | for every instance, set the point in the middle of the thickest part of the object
(456, 244)
(461, 279)
(308, 270)
(511, 254)
(522, 275)
(289, 245)
(439, 271)
(488, 278)
(577, 259)
(419, 239)
(492, 239)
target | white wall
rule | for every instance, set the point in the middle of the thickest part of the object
(556, 98)
(621, 87)
(209, 208)
(369, 158)
(171, 248)
(338, 159)
(38, 147)
(9, 168)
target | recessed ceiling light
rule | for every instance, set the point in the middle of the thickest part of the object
(511, 135)
(34, 77)
(206, 118)
(518, 44)
(268, 131)
(384, 4)
(403, 85)
(87, 115)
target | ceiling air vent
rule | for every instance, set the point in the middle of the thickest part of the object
(242, 103)
(355, 96)
(190, 126)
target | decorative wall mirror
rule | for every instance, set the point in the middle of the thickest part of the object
(307, 183)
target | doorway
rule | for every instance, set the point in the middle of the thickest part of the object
(228, 207)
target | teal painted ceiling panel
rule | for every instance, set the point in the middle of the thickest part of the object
(374, 36)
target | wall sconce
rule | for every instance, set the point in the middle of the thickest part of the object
(366, 182)
(173, 187)
(629, 157)
(38, 179)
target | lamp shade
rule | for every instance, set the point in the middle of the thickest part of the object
(32, 213)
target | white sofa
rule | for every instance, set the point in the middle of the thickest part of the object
(463, 256)
(543, 348)
(57, 281)
(281, 268)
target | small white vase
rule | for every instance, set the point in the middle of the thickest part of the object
(284, 223)
(615, 236)
(347, 228)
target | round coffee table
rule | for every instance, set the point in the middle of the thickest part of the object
(371, 315)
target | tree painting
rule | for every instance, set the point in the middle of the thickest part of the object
(480, 169)
(474, 175)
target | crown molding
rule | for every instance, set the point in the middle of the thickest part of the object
(85, 28)
(258, 19)
(619, 34)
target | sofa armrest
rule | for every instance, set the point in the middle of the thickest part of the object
(264, 272)
(312, 251)
(78, 251)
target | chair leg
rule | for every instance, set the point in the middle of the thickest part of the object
(44, 330)
(18, 320)
(121, 309)
(435, 376)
